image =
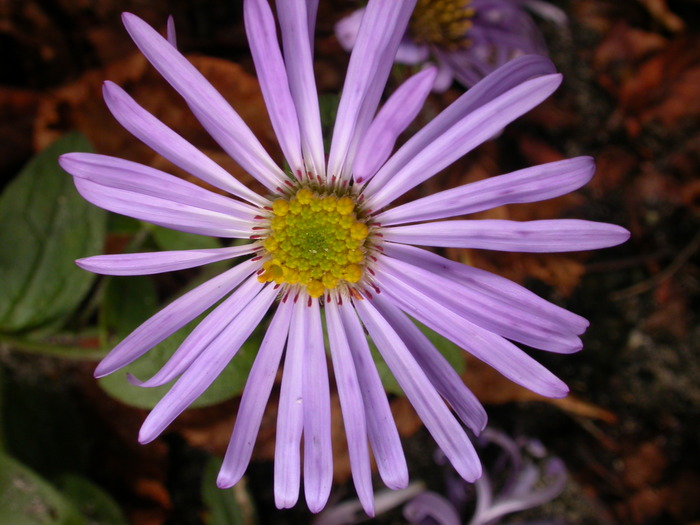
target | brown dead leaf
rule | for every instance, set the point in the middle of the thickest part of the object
(492, 388)
(17, 110)
(660, 11)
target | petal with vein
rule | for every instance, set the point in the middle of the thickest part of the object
(215, 114)
(318, 453)
(173, 317)
(207, 367)
(511, 323)
(290, 412)
(383, 436)
(497, 83)
(254, 400)
(429, 406)
(392, 120)
(203, 335)
(159, 262)
(494, 286)
(438, 370)
(293, 17)
(490, 348)
(543, 236)
(352, 407)
(533, 184)
(474, 129)
(272, 75)
(380, 33)
(163, 140)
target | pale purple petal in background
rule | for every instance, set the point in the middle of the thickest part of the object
(170, 32)
(254, 399)
(433, 507)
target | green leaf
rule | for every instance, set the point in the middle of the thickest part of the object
(44, 225)
(228, 506)
(94, 504)
(453, 353)
(167, 239)
(27, 499)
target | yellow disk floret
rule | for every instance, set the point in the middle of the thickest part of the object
(444, 23)
(316, 241)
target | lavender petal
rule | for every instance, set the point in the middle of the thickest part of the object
(543, 236)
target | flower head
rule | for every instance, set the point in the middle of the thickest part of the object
(323, 240)
(467, 38)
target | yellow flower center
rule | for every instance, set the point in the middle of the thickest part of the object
(316, 241)
(443, 23)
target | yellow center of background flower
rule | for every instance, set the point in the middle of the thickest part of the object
(315, 241)
(444, 23)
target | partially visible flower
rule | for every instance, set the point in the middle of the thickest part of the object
(323, 240)
(520, 475)
(468, 39)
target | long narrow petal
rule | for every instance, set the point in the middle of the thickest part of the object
(126, 175)
(311, 11)
(392, 120)
(159, 262)
(207, 367)
(492, 349)
(318, 452)
(352, 407)
(147, 194)
(272, 75)
(162, 212)
(254, 400)
(438, 370)
(201, 337)
(497, 288)
(438, 419)
(533, 184)
(215, 114)
(545, 236)
(163, 140)
(293, 17)
(381, 29)
(290, 413)
(173, 317)
(477, 127)
(496, 84)
(511, 323)
(383, 436)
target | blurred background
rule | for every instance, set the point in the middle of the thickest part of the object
(628, 434)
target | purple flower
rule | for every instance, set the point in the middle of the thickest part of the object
(323, 239)
(467, 38)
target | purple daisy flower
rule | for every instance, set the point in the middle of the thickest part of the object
(324, 239)
(467, 38)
